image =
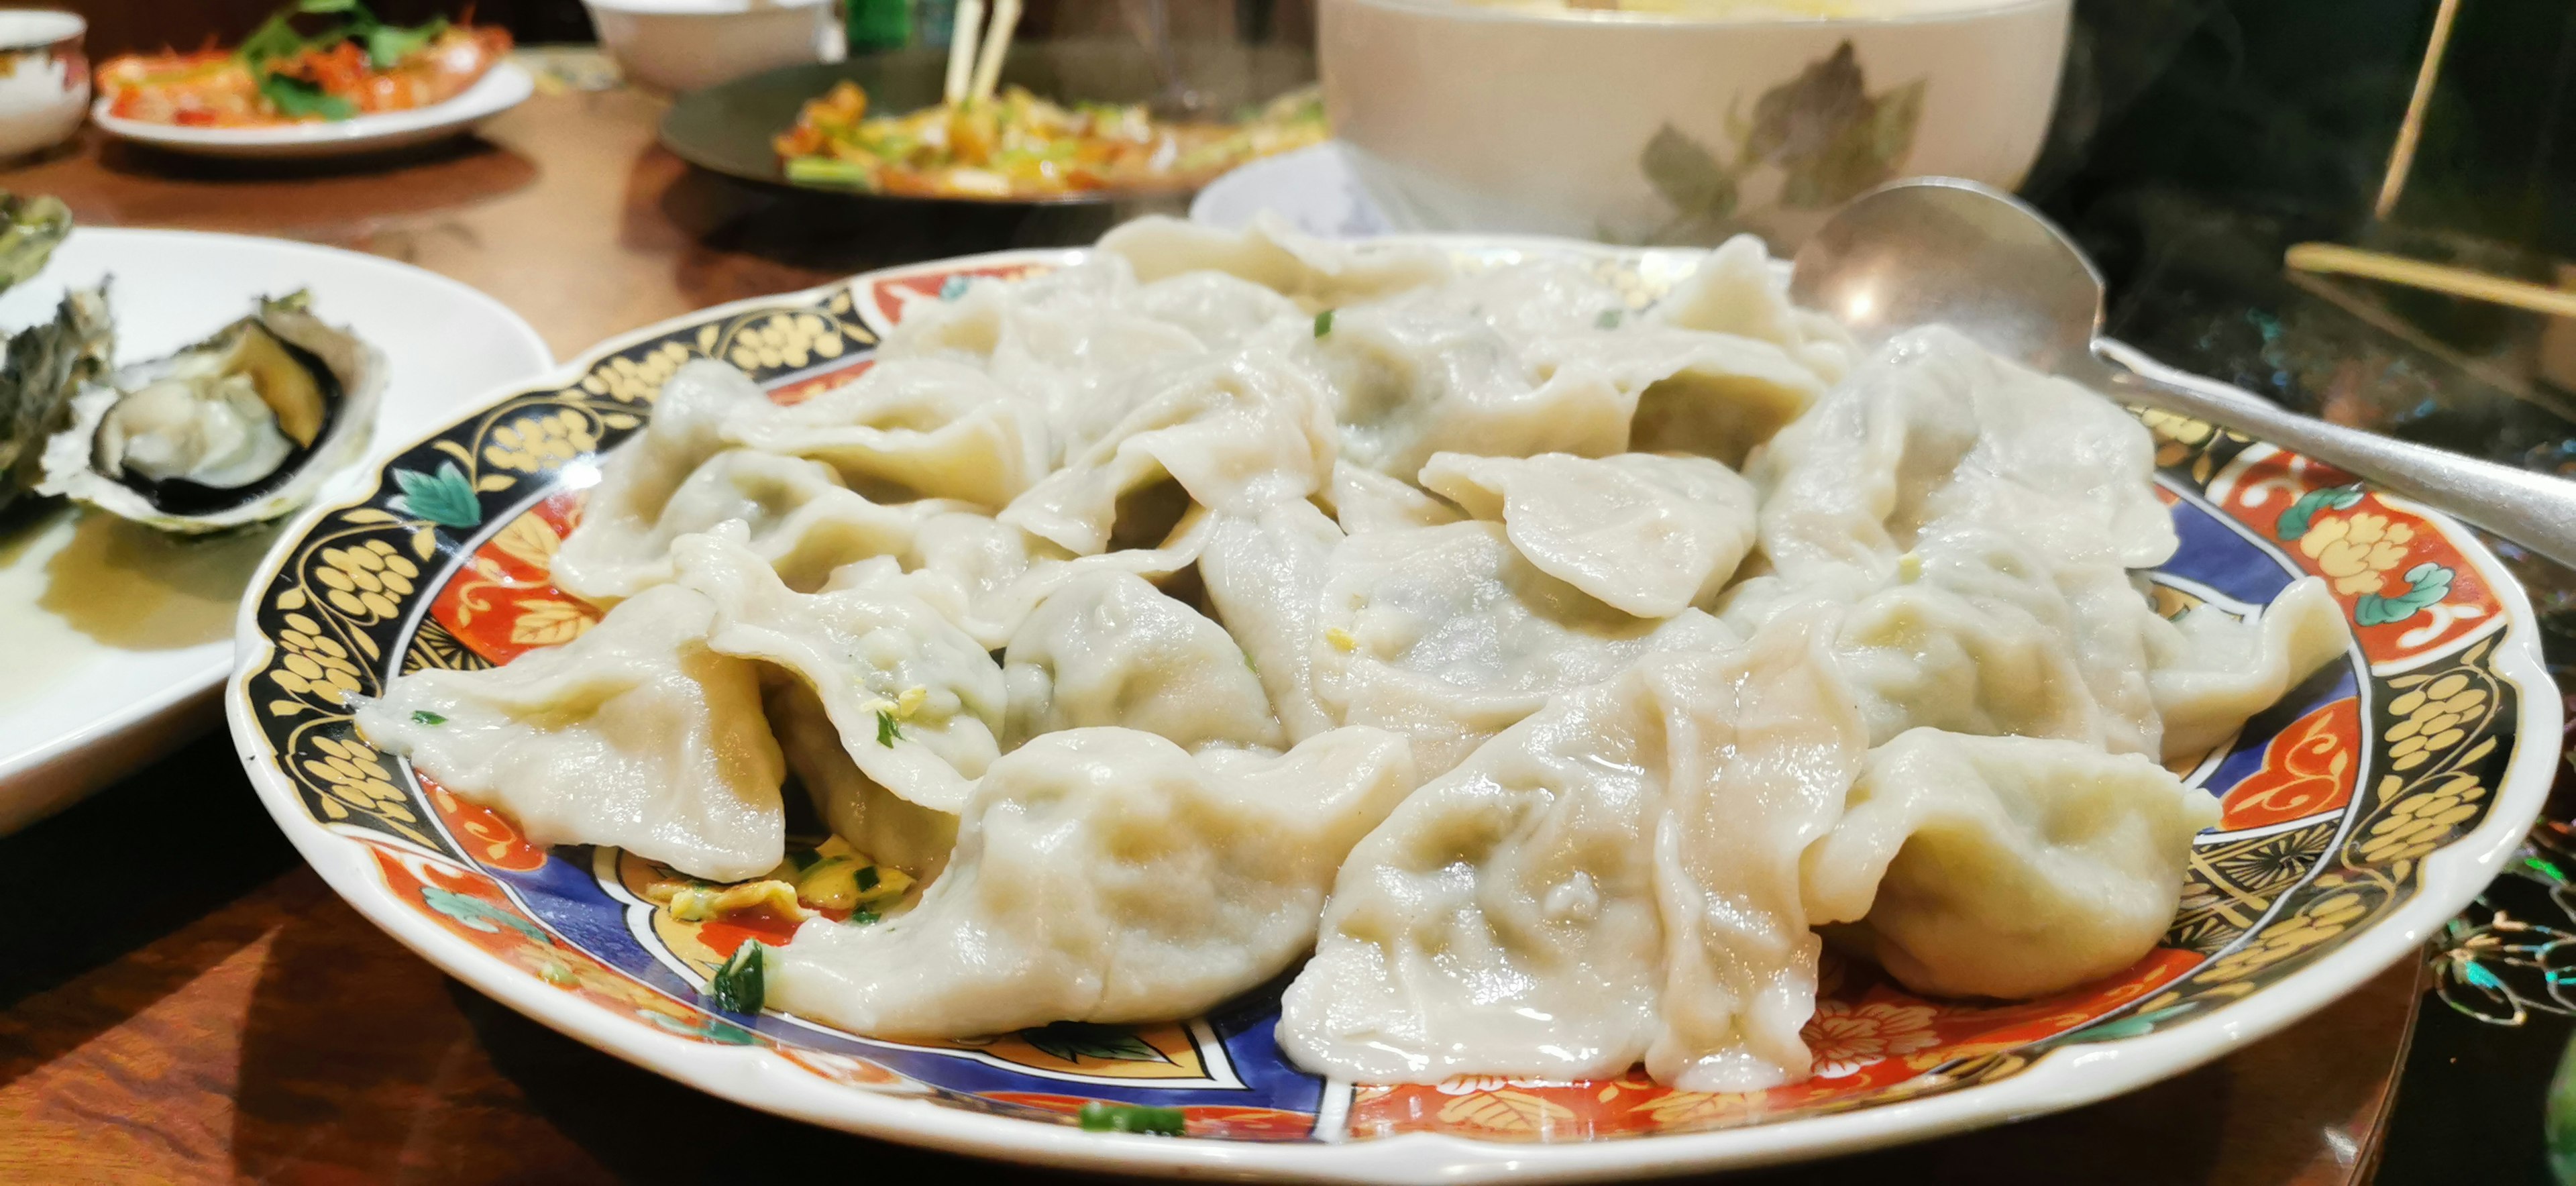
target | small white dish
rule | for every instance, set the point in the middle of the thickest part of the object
(1312, 188)
(117, 636)
(504, 86)
(45, 86)
(687, 45)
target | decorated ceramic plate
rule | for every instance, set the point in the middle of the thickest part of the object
(2358, 814)
(501, 88)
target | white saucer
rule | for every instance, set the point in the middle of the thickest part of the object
(1313, 188)
(115, 635)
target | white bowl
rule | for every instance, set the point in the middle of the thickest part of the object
(685, 45)
(44, 79)
(1640, 129)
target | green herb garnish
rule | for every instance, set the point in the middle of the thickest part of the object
(740, 983)
(1099, 1117)
(1609, 319)
(887, 733)
(426, 717)
(295, 98)
(1323, 323)
(803, 859)
(866, 878)
(860, 918)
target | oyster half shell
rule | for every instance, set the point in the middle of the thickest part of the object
(240, 428)
(44, 366)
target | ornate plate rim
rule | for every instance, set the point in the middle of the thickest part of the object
(2450, 877)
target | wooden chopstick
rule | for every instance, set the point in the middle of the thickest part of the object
(2335, 258)
(1006, 21)
(961, 50)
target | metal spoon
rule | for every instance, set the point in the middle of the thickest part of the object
(1940, 249)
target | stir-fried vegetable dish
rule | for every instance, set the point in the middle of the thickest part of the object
(1017, 145)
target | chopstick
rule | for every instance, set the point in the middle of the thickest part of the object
(961, 49)
(2393, 269)
(1006, 20)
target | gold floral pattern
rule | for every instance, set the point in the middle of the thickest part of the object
(636, 378)
(2421, 822)
(2357, 551)
(364, 580)
(2322, 919)
(312, 663)
(2435, 716)
(789, 340)
(1843, 1038)
(542, 441)
(356, 777)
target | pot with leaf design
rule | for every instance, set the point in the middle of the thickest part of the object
(1644, 128)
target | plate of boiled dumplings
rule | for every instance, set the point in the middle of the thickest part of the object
(1226, 701)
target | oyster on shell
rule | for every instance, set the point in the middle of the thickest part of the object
(240, 428)
(45, 365)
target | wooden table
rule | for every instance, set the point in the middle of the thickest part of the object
(244, 1023)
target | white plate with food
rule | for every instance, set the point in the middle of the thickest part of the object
(310, 83)
(1230, 703)
(118, 629)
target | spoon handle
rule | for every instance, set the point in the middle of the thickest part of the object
(2533, 510)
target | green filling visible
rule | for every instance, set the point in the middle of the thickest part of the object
(1099, 1117)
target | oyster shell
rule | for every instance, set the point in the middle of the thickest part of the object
(46, 364)
(240, 428)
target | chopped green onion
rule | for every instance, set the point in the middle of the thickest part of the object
(803, 859)
(867, 879)
(740, 983)
(1100, 1117)
(1609, 319)
(1323, 323)
(824, 170)
(426, 717)
(887, 733)
(860, 918)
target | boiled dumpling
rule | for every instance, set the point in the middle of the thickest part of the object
(1760, 747)
(1106, 875)
(2007, 866)
(1448, 635)
(638, 479)
(1316, 273)
(986, 575)
(795, 514)
(1265, 576)
(1503, 920)
(1646, 534)
(918, 703)
(1233, 436)
(1410, 379)
(923, 426)
(1363, 499)
(890, 829)
(1935, 428)
(1109, 649)
(1736, 290)
(635, 734)
(2212, 672)
(1715, 395)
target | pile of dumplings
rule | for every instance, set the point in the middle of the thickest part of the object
(1554, 671)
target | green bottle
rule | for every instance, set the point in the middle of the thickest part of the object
(879, 25)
